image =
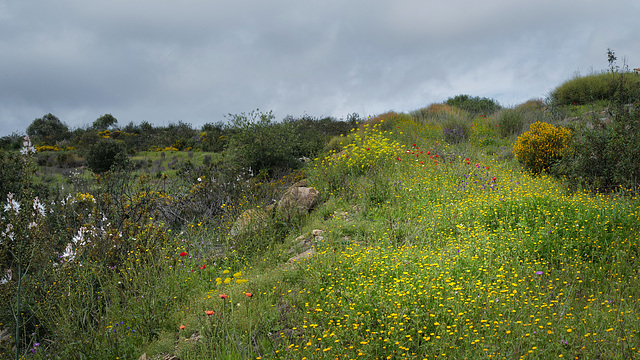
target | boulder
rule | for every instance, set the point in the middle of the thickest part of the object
(298, 198)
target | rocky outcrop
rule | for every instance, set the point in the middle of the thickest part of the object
(298, 198)
(305, 245)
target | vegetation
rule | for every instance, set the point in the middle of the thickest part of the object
(474, 104)
(540, 147)
(420, 245)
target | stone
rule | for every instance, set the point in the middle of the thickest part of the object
(298, 198)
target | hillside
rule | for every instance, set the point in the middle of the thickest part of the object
(431, 236)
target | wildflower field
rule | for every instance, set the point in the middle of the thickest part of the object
(420, 248)
(439, 251)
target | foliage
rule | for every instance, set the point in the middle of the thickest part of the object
(603, 155)
(11, 142)
(104, 122)
(47, 130)
(456, 127)
(583, 90)
(214, 137)
(474, 104)
(106, 154)
(517, 120)
(256, 141)
(541, 146)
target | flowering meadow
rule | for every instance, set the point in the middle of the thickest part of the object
(433, 250)
(419, 248)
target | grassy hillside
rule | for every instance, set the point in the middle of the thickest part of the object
(430, 250)
(428, 240)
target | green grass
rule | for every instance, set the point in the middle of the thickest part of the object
(429, 260)
(429, 250)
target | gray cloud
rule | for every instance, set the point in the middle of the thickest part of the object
(195, 61)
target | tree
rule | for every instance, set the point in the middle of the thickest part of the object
(104, 122)
(48, 130)
(105, 155)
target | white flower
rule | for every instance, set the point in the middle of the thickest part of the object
(11, 204)
(27, 148)
(6, 278)
(8, 232)
(37, 205)
(68, 252)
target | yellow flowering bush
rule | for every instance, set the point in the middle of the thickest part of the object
(368, 147)
(539, 147)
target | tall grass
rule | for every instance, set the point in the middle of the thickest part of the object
(427, 249)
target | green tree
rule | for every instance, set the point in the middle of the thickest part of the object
(104, 122)
(475, 105)
(105, 154)
(257, 142)
(48, 130)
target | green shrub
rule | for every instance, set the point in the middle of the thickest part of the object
(595, 87)
(475, 105)
(604, 157)
(538, 148)
(105, 154)
(257, 142)
(510, 122)
(456, 128)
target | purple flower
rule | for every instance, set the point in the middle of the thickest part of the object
(539, 272)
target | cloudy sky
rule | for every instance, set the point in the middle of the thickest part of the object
(195, 61)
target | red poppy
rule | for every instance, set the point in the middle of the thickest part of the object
(182, 327)
(494, 178)
(248, 294)
(398, 158)
(208, 312)
(367, 149)
(183, 254)
(428, 152)
(468, 163)
(466, 159)
(223, 296)
(203, 266)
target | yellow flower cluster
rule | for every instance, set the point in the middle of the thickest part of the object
(168, 148)
(53, 148)
(368, 147)
(80, 197)
(539, 147)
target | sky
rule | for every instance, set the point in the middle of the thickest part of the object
(195, 61)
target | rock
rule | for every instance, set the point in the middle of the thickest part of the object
(302, 256)
(298, 198)
(317, 232)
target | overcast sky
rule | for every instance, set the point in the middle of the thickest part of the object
(197, 60)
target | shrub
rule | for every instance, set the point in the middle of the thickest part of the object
(538, 148)
(456, 128)
(604, 157)
(257, 142)
(590, 88)
(475, 105)
(510, 122)
(105, 154)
